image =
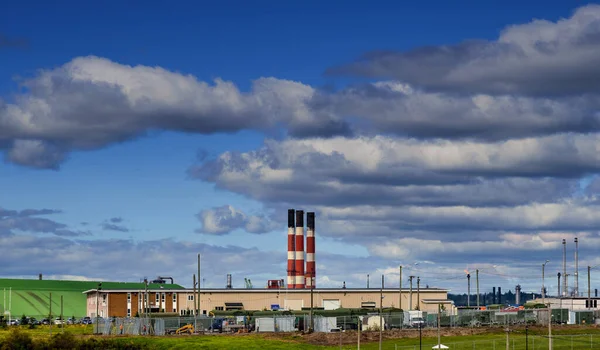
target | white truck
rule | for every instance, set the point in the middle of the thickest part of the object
(416, 319)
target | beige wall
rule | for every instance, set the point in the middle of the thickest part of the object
(261, 299)
(258, 300)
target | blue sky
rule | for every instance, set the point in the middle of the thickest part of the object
(146, 176)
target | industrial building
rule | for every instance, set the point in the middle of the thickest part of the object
(128, 302)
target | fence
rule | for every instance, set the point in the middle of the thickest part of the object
(517, 342)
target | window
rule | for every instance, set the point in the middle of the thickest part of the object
(219, 308)
(129, 297)
(190, 297)
(162, 299)
(174, 310)
(128, 312)
(174, 297)
(182, 312)
(103, 298)
(156, 298)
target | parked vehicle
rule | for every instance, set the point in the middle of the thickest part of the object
(86, 320)
(45, 321)
(14, 322)
(59, 321)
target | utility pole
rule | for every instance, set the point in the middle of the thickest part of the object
(198, 285)
(543, 283)
(312, 323)
(410, 303)
(418, 293)
(61, 314)
(477, 283)
(565, 286)
(576, 267)
(367, 281)
(438, 326)
(194, 294)
(550, 327)
(50, 312)
(400, 290)
(381, 313)
(507, 340)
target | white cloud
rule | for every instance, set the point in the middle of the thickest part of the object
(224, 219)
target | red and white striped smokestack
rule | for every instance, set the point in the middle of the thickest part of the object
(311, 268)
(299, 249)
(291, 267)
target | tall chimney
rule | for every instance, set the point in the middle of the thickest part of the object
(468, 290)
(493, 295)
(559, 295)
(311, 268)
(299, 280)
(565, 287)
(40, 277)
(576, 267)
(518, 294)
(228, 281)
(291, 267)
(499, 295)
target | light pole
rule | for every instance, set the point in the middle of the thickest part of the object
(97, 318)
(543, 282)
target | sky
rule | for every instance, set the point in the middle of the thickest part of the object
(439, 137)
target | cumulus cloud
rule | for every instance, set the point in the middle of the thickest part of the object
(91, 102)
(536, 58)
(224, 219)
(386, 171)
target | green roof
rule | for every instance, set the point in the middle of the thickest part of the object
(32, 297)
(79, 286)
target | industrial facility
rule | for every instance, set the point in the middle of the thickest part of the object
(301, 292)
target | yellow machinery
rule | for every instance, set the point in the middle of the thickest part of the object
(188, 328)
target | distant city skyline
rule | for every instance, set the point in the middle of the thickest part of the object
(441, 138)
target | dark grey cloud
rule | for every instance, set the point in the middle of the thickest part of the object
(536, 58)
(7, 42)
(113, 227)
(116, 220)
(224, 219)
(394, 108)
(27, 220)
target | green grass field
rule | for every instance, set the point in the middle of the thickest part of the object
(564, 338)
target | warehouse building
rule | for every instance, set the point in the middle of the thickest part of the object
(41, 298)
(129, 302)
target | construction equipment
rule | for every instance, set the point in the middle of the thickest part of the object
(188, 328)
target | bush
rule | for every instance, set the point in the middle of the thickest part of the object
(17, 340)
(64, 340)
